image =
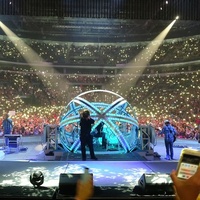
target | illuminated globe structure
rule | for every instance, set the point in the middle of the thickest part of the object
(119, 123)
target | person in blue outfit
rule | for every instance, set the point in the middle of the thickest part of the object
(86, 138)
(169, 132)
(7, 126)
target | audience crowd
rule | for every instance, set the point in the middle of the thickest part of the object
(38, 98)
(106, 54)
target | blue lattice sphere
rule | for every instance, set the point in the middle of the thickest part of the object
(113, 112)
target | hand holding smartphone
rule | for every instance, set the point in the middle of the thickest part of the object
(188, 163)
(86, 176)
(85, 186)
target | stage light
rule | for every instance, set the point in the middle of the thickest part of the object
(37, 178)
(177, 17)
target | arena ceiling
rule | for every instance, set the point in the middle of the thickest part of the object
(96, 30)
(113, 9)
(99, 20)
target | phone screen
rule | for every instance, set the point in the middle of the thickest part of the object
(188, 166)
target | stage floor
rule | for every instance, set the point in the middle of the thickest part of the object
(111, 170)
(31, 149)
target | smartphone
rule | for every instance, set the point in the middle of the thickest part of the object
(188, 163)
(85, 175)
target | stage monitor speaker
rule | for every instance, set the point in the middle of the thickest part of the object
(27, 192)
(67, 183)
(156, 184)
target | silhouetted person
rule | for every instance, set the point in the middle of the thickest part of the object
(7, 126)
(86, 138)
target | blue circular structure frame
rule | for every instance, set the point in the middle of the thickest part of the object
(116, 113)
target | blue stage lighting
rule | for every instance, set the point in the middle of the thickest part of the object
(120, 125)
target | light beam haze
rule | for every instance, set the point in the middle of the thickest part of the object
(36, 62)
(134, 69)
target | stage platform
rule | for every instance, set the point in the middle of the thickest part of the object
(31, 149)
(114, 171)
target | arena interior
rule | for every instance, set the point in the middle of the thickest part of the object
(132, 63)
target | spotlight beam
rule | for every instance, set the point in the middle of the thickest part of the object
(142, 60)
(32, 58)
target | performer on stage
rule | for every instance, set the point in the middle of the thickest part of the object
(86, 138)
(7, 126)
(169, 132)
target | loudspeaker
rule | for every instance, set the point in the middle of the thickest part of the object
(67, 183)
(27, 192)
(156, 184)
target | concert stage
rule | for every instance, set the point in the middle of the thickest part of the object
(121, 176)
(113, 176)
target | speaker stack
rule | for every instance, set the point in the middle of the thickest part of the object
(154, 184)
(67, 183)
